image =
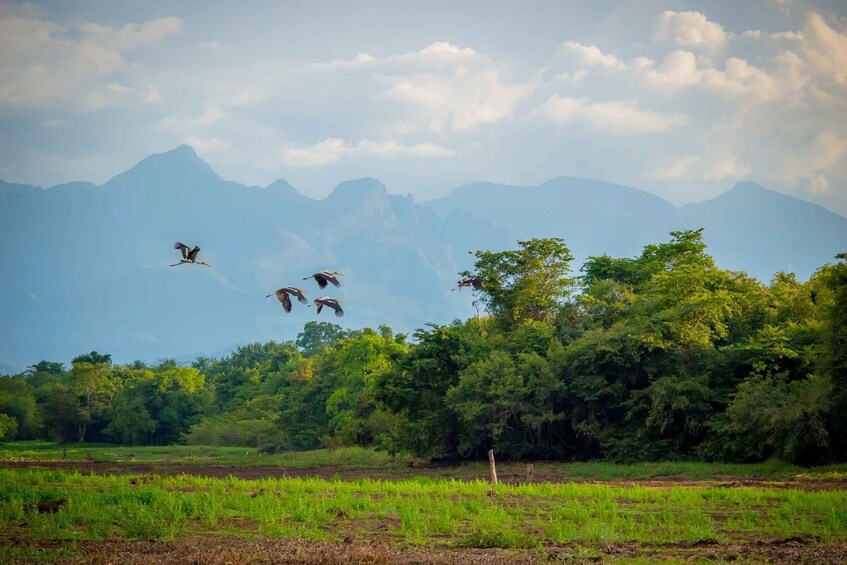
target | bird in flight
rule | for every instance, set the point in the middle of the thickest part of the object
(470, 281)
(188, 255)
(333, 303)
(284, 296)
(325, 277)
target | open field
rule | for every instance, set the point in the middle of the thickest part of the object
(353, 463)
(109, 504)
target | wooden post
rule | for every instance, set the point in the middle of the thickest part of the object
(529, 470)
(493, 467)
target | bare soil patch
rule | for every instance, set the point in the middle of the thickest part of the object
(509, 473)
(227, 550)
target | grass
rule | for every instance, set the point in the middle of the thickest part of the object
(362, 458)
(417, 512)
(351, 457)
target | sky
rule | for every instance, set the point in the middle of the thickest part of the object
(680, 98)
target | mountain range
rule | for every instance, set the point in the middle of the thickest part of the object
(85, 267)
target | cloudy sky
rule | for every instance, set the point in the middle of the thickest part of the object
(682, 98)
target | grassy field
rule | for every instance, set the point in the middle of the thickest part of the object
(404, 465)
(223, 505)
(419, 512)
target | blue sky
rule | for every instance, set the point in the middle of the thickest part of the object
(680, 98)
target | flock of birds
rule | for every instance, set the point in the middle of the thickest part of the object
(323, 278)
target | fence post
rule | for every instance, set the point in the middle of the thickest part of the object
(529, 469)
(493, 468)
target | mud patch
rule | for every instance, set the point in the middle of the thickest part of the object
(509, 473)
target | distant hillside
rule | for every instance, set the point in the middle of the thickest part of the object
(593, 217)
(86, 267)
(760, 231)
(748, 228)
(90, 268)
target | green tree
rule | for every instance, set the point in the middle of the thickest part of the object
(530, 283)
(317, 336)
(8, 427)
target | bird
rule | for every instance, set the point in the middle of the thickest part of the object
(333, 303)
(324, 277)
(470, 281)
(284, 293)
(188, 255)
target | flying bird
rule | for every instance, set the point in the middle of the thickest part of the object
(284, 294)
(470, 281)
(333, 303)
(324, 277)
(188, 255)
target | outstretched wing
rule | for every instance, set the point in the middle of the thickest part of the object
(337, 307)
(322, 280)
(192, 255)
(320, 307)
(331, 278)
(299, 293)
(182, 247)
(286, 302)
(477, 284)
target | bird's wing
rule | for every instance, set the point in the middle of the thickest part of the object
(299, 293)
(337, 307)
(333, 279)
(321, 280)
(320, 306)
(192, 255)
(280, 294)
(286, 302)
(182, 247)
(477, 284)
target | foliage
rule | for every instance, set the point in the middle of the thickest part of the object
(660, 356)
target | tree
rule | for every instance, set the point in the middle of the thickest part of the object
(17, 400)
(529, 283)
(317, 336)
(8, 427)
(93, 358)
(94, 385)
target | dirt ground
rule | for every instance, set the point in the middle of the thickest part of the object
(219, 551)
(509, 473)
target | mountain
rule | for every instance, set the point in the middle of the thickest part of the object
(89, 263)
(748, 228)
(760, 231)
(86, 267)
(593, 217)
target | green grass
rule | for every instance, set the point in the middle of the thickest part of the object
(351, 457)
(362, 458)
(419, 512)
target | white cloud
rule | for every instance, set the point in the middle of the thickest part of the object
(689, 29)
(333, 149)
(725, 167)
(208, 145)
(74, 65)
(678, 169)
(131, 36)
(716, 164)
(215, 46)
(818, 183)
(591, 55)
(825, 48)
(611, 117)
(451, 88)
(50, 124)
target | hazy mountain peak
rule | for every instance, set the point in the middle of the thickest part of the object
(749, 193)
(355, 192)
(180, 165)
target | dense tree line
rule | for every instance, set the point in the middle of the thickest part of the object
(660, 356)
